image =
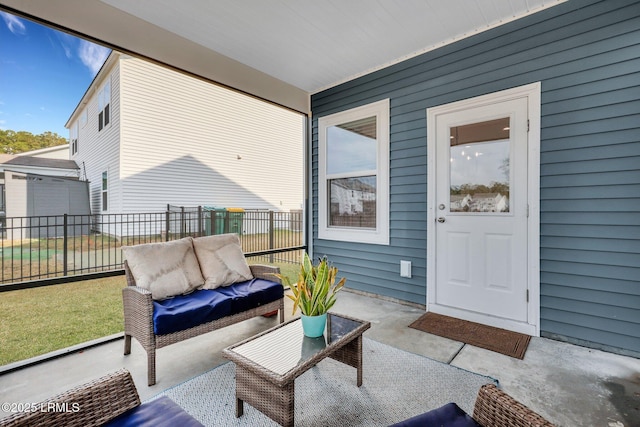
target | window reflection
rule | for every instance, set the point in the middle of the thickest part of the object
(351, 167)
(352, 147)
(353, 202)
(479, 167)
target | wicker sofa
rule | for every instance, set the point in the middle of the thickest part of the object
(493, 408)
(159, 322)
(111, 400)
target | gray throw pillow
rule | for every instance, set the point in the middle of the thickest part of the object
(166, 269)
(222, 261)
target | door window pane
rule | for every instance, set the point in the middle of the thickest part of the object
(479, 167)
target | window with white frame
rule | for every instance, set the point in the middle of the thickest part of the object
(353, 175)
(105, 194)
(73, 138)
(104, 105)
(83, 118)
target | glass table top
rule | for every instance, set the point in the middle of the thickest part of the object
(286, 347)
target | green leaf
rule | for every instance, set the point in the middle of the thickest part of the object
(315, 292)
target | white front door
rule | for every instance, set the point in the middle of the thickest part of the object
(480, 218)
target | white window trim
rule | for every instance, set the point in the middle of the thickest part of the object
(104, 191)
(73, 139)
(379, 235)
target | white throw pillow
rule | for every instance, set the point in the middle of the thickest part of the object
(221, 260)
(166, 269)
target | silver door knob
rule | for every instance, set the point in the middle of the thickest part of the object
(441, 219)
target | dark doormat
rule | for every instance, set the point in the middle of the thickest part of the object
(499, 340)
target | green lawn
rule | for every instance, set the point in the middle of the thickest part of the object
(40, 320)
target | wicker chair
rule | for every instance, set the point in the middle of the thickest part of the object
(493, 408)
(111, 399)
(496, 408)
(138, 318)
(95, 403)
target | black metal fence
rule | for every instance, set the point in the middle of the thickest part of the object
(37, 248)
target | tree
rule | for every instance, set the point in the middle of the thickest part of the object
(12, 142)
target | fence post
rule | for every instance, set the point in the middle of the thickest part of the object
(227, 217)
(182, 223)
(199, 220)
(65, 245)
(271, 236)
(167, 222)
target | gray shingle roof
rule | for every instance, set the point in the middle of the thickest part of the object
(8, 159)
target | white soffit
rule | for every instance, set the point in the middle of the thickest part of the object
(314, 45)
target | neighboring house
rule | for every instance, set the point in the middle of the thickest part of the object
(56, 152)
(40, 165)
(34, 162)
(147, 136)
(351, 196)
(36, 205)
(488, 202)
(564, 261)
(459, 203)
(40, 183)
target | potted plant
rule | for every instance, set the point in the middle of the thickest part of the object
(314, 293)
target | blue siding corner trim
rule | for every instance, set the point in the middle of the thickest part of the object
(586, 54)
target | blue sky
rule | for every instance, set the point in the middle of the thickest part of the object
(43, 75)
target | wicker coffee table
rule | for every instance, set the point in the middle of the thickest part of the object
(268, 364)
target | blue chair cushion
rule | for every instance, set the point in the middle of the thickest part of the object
(449, 415)
(186, 311)
(161, 412)
(251, 294)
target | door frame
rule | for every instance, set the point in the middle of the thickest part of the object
(532, 92)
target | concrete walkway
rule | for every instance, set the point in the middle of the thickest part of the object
(569, 385)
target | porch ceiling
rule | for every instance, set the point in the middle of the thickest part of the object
(279, 50)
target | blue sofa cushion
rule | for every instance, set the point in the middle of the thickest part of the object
(251, 294)
(449, 415)
(186, 311)
(161, 412)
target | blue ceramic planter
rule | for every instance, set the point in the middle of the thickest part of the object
(313, 326)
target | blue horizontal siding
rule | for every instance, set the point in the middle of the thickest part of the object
(622, 289)
(598, 231)
(586, 54)
(627, 191)
(625, 246)
(591, 205)
(597, 300)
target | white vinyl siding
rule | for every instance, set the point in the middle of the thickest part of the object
(174, 139)
(188, 142)
(98, 151)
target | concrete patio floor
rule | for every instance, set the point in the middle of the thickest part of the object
(568, 384)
